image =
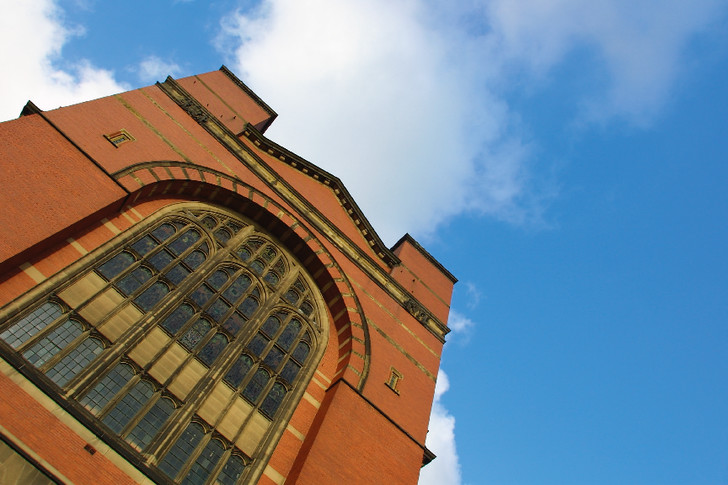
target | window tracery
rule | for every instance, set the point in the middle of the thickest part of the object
(213, 286)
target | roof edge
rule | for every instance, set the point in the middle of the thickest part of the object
(235, 79)
(426, 254)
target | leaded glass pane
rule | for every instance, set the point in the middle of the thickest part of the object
(255, 386)
(271, 326)
(301, 352)
(161, 259)
(31, 324)
(222, 235)
(291, 296)
(307, 308)
(149, 425)
(202, 294)
(195, 259)
(218, 310)
(209, 222)
(57, 340)
(116, 265)
(248, 307)
(243, 253)
(258, 266)
(273, 357)
(75, 361)
(234, 226)
(218, 279)
(230, 473)
(125, 410)
(271, 278)
(213, 348)
(178, 318)
(131, 282)
(164, 231)
(184, 241)
(299, 286)
(273, 400)
(289, 334)
(234, 323)
(238, 371)
(306, 337)
(257, 345)
(237, 288)
(177, 274)
(205, 464)
(193, 336)
(101, 394)
(268, 253)
(144, 245)
(290, 370)
(280, 266)
(182, 449)
(151, 296)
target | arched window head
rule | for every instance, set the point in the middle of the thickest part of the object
(190, 305)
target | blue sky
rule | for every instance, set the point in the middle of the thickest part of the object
(566, 160)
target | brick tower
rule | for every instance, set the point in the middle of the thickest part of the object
(182, 300)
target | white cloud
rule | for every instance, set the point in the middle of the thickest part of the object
(154, 69)
(459, 323)
(445, 469)
(407, 101)
(32, 34)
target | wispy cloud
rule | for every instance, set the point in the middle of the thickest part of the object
(32, 72)
(154, 69)
(445, 469)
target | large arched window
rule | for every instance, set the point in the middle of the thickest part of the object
(185, 336)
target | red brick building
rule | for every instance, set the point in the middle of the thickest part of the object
(182, 300)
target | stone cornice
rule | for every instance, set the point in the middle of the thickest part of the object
(313, 216)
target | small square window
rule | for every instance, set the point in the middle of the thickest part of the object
(119, 137)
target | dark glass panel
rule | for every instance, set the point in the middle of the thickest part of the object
(301, 352)
(177, 274)
(209, 222)
(273, 357)
(248, 307)
(307, 308)
(205, 464)
(291, 296)
(222, 235)
(202, 294)
(204, 248)
(161, 259)
(290, 371)
(164, 231)
(273, 400)
(218, 310)
(75, 361)
(289, 334)
(234, 323)
(149, 425)
(55, 341)
(271, 326)
(31, 324)
(268, 253)
(195, 259)
(125, 410)
(280, 266)
(235, 227)
(217, 279)
(243, 253)
(196, 333)
(258, 266)
(255, 386)
(184, 241)
(237, 288)
(151, 296)
(182, 449)
(239, 370)
(177, 318)
(144, 245)
(230, 473)
(131, 282)
(116, 265)
(212, 349)
(254, 244)
(306, 337)
(271, 278)
(101, 394)
(299, 286)
(257, 345)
